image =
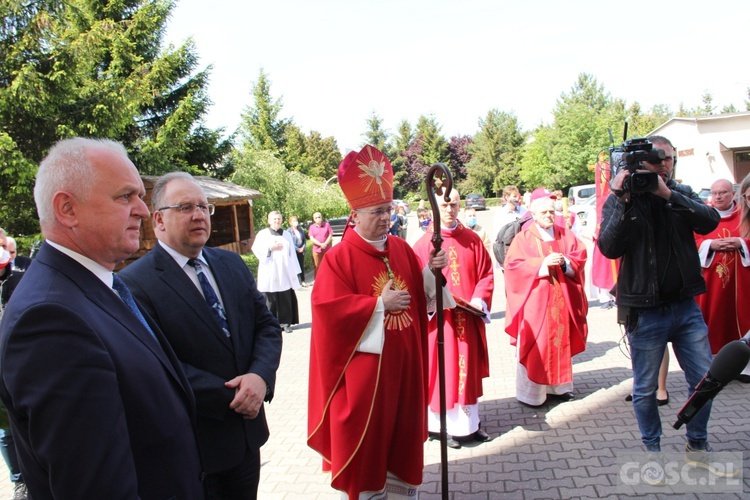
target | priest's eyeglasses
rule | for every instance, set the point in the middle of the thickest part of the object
(189, 208)
(377, 213)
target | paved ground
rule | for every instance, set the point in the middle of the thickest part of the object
(565, 450)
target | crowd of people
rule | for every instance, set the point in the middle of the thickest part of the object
(159, 373)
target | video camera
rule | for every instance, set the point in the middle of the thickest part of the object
(630, 156)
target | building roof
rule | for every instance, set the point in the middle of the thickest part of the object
(697, 120)
(217, 190)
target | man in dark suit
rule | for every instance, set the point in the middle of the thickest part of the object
(13, 272)
(98, 403)
(230, 350)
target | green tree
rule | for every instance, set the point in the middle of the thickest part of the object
(377, 136)
(96, 69)
(295, 156)
(580, 130)
(434, 144)
(495, 153)
(291, 193)
(262, 128)
(708, 103)
(404, 136)
(323, 155)
(535, 163)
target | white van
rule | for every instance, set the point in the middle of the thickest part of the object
(577, 194)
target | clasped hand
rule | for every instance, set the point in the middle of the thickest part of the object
(725, 244)
(250, 391)
(554, 259)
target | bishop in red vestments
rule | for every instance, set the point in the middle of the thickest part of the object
(368, 350)
(726, 269)
(469, 276)
(546, 305)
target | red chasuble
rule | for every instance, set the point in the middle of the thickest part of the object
(468, 274)
(548, 313)
(724, 306)
(367, 412)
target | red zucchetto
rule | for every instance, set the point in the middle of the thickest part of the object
(366, 178)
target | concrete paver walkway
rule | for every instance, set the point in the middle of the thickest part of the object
(565, 450)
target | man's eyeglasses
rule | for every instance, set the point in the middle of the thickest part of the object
(720, 193)
(377, 213)
(189, 208)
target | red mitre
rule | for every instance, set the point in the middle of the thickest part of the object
(366, 178)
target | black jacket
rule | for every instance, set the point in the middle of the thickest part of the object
(208, 356)
(627, 232)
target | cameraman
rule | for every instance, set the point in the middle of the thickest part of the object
(652, 232)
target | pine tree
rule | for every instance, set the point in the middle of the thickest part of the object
(96, 69)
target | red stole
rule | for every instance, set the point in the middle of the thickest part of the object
(547, 313)
(724, 305)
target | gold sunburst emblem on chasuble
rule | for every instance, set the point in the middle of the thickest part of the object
(394, 320)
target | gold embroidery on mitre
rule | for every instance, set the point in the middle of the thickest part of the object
(394, 320)
(372, 174)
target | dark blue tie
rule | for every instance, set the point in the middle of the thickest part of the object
(211, 298)
(122, 290)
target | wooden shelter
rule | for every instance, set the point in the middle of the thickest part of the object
(232, 225)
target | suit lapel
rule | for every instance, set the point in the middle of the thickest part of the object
(108, 301)
(175, 278)
(227, 284)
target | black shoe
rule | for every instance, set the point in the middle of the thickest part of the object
(629, 398)
(745, 379)
(663, 402)
(568, 396)
(480, 436)
(452, 443)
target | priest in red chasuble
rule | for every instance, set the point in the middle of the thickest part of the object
(546, 306)
(726, 268)
(470, 279)
(368, 349)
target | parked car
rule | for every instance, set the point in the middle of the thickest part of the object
(404, 204)
(577, 194)
(582, 209)
(475, 201)
(337, 224)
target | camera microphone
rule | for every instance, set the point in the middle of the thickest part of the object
(727, 364)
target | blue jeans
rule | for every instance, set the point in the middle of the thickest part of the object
(681, 323)
(8, 451)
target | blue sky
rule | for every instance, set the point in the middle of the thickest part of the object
(334, 62)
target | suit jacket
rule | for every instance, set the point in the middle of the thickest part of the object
(97, 408)
(17, 271)
(209, 357)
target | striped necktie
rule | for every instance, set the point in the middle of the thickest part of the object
(122, 290)
(211, 298)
